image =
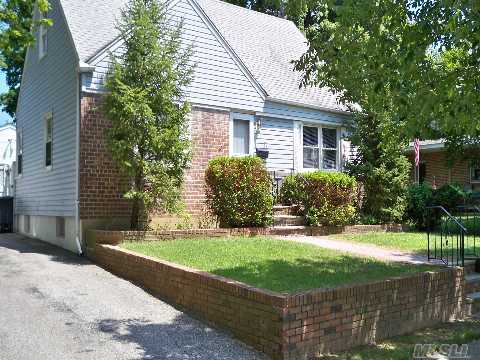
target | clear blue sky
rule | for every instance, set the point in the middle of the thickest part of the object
(3, 87)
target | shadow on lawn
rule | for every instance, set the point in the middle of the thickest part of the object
(303, 273)
(181, 338)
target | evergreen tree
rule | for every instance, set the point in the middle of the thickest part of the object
(147, 107)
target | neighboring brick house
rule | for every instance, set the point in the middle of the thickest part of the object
(245, 95)
(435, 169)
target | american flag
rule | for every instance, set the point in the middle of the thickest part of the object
(416, 145)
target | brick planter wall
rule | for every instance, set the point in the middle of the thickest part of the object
(301, 325)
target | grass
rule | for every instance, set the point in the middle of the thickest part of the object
(407, 241)
(414, 242)
(401, 347)
(278, 265)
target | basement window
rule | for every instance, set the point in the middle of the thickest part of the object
(61, 227)
(26, 224)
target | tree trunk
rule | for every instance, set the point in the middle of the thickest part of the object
(137, 203)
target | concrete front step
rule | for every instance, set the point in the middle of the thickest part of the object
(285, 210)
(288, 220)
(473, 303)
(472, 283)
(470, 266)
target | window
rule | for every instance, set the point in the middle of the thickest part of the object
(43, 39)
(20, 151)
(48, 139)
(320, 148)
(60, 227)
(242, 138)
(475, 174)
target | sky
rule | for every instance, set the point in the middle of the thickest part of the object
(3, 87)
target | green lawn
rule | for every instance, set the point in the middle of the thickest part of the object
(408, 241)
(277, 265)
(401, 347)
(415, 242)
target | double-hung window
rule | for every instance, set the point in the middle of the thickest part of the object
(42, 39)
(242, 134)
(320, 148)
(475, 173)
(48, 140)
(20, 151)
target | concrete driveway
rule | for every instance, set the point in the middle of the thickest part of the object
(55, 305)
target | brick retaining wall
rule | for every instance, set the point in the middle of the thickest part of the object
(116, 237)
(301, 325)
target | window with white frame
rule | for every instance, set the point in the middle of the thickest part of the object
(48, 140)
(42, 39)
(320, 148)
(20, 151)
(242, 134)
(475, 173)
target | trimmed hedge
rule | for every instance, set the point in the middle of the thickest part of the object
(238, 191)
(327, 198)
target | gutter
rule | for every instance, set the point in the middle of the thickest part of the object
(82, 68)
(314, 107)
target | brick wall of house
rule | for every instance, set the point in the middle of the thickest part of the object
(439, 173)
(101, 183)
(301, 325)
(209, 135)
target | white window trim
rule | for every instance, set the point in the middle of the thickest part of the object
(42, 30)
(19, 151)
(46, 117)
(320, 128)
(472, 180)
(251, 119)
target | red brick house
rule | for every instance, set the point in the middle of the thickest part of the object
(435, 170)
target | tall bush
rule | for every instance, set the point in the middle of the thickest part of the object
(419, 198)
(328, 198)
(238, 191)
(450, 196)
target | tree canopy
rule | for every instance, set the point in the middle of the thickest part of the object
(16, 25)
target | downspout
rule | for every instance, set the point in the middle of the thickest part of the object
(77, 165)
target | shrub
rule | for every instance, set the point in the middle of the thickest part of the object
(419, 197)
(238, 191)
(450, 196)
(328, 198)
(290, 192)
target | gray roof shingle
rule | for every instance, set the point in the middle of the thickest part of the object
(266, 45)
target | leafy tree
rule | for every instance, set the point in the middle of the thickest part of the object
(147, 108)
(16, 24)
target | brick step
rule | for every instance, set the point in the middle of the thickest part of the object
(285, 210)
(472, 301)
(472, 283)
(288, 220)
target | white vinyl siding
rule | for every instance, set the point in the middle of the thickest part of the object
(276, 135)
(49, 85)
(218, 80)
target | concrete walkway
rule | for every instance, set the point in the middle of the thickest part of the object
(57, 306)
(360, 249)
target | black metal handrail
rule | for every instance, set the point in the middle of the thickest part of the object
(446, 234)
(469, 216)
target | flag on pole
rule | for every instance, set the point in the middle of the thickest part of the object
(417, 152)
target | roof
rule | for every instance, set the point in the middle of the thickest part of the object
(265, 44)
(428, 145)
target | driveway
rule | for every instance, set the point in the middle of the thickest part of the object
(55, 305)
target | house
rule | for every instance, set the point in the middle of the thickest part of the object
(7, 158)
(435, 170)
(245, 95)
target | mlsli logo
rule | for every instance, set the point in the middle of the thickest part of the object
(433, 352)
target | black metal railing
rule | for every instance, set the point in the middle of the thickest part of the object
(445, 237)
(469, 217)
(277, 177)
